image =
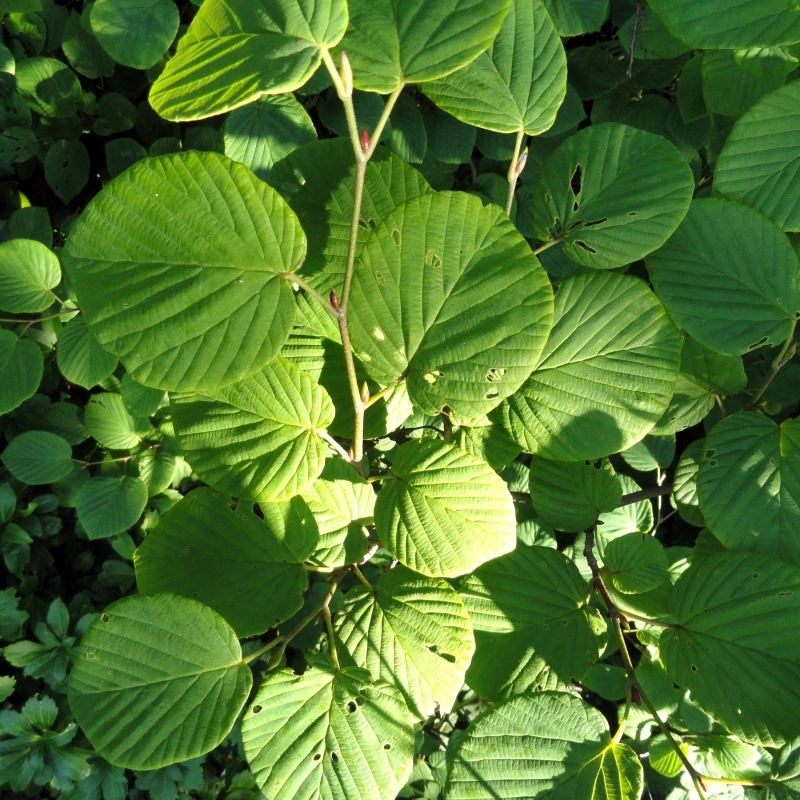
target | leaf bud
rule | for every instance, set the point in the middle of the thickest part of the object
(365, 393)
(334, 300)
(346, 74)
(364, 140)
(521, 161)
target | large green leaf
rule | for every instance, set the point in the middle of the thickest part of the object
(48, 87)
(635, 563)
(748, 484)
(21, 368)
(342, 503)
(606, 374)
(261, 133)
(412, 632)
(728, 276)
(735, 646)
(739, 24)
(80, 358)
(257, 439)
(545, 745)
(574, 17)
(158, 680)
(684, 491)
(518, 84)
(38, 457)
(760, 162)
(232, 561)
(448, 294)
(135, 33)
(107, 506)
(613, 193)
(318, 182)
(110, 423)
(529, 603)
(390, 43)
(442, 511)
(704, 374)
(185, 311)
(328, 735)
(29, 272)
(235, 51)
(570, 496)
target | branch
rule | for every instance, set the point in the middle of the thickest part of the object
(633, 681)
(786, 354)
(645, 494)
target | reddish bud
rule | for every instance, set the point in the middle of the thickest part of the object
(334, 301)
(702, 784)
(635, 696)
(521, 161)
(364, 140)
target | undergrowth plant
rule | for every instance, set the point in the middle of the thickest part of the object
(374, 405)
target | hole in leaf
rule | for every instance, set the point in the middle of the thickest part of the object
(387, 746)
(709, 453)
(257, 709)
(586, 247)
(317, 756)
(492, 394)
(755, 575)
(633, 213)
(575, 206)
(598, 464)
(548, 199)
(363, 224)
(446, 656)
(396, 237)
(784, 594)
(432, 377)
(712, 463)
(381, 281)
(359, 700)
(587, 463)
(595, 222)
(432, 260)
(545, 626)
(334, 757)
(575, 180)
(104, 617)
(90, 656)
(351, 707)
(564, 621)
(495, 374)
(694, 668)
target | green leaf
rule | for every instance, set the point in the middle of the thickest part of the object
(83, 51)
(630, 518)
(342, 503)
(318, 182)
(449, 140)
(574, 17)
(704, 374)
(66, 169)
(249, 573)
(635, 563)
(730, 90)
(257, 439)
(186, 690)
(785, 774)
(135, 33)
(412, 632)
(405, 134)
(107, 506)
(729, 277)
(760, 160)
(48, 87)
(530, 602)
(751, 23)
(606, 373)
(21, 369)
(390, 43)
(80, 358)
(38, 457)
(748, 484)
(734, 648)
(652, 452)
(570, 497)
(545, 745)
(121, 154)
(684, 491)
(18, 144)
(110, 423)
(235, 51)
(330, 734)
(29, 272)
(613, 194)
(489, 443)
(141, 401)
(156, 468)
(443, 512)
(447, 293)
(262, 133)
(518, 84)
(217, 306)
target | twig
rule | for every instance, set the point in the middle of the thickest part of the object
(645, 494)
(514, 170)
(786, 354)
(636, 22)
(334, 444)
(547, 245)
(633, 681)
